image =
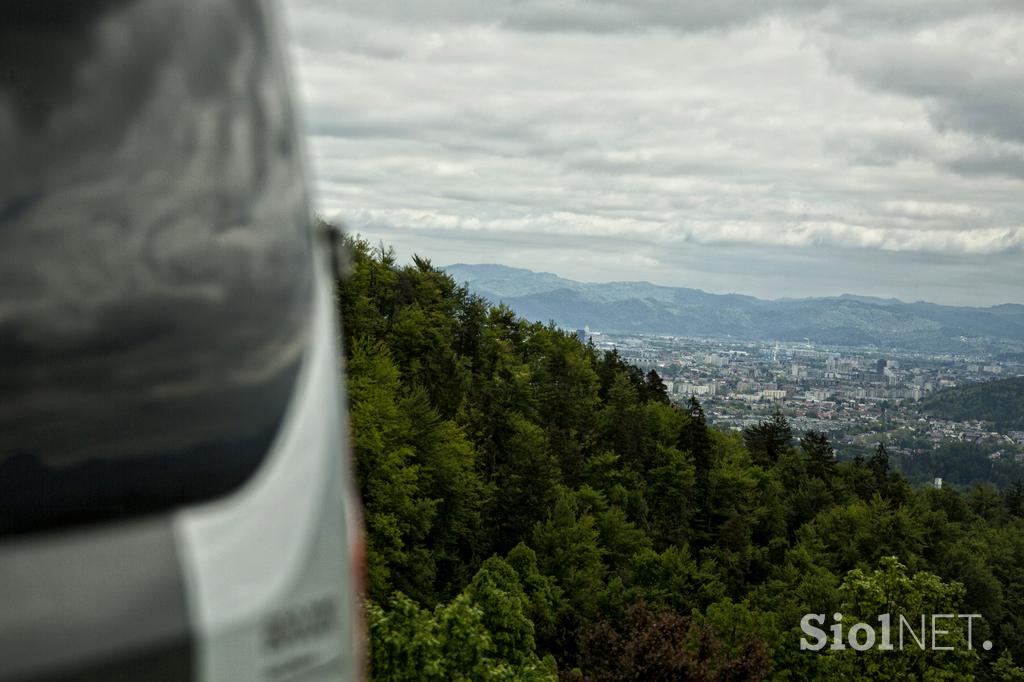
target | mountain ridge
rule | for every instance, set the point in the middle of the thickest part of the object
(847, 319)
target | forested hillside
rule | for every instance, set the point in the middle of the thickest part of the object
(1000, 402)
(536, 509)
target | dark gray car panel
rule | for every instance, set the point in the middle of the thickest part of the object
(95, 605)
(155, 253)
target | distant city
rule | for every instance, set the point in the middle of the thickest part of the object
(861, 370)
(860, 397)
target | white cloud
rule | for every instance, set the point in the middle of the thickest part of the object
(804, 125)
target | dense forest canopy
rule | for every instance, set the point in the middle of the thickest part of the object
(537, 509)
(1000, 402)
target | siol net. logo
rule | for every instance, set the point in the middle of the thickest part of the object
(927, 632)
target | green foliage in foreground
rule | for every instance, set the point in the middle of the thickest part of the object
(891, 589)
(482, 634)
(536, 509)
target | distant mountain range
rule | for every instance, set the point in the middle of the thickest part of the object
(641, 307)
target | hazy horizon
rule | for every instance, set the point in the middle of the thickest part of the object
(839, 294)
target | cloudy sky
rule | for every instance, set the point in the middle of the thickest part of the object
(787, 148)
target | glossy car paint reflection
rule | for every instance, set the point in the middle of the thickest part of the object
(155, 283)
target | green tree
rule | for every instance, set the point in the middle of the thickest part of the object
(1013, 498)
(670, 492)
(879, 465)
(528, 478)
(496, 589)
(695, 439)
(568, 549)
(894, 590)
(819, 454)
(544, 596)
(767, 439)
(655, 389)
(397, 514)
(408, 644)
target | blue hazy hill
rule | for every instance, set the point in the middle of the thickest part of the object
(642, 307)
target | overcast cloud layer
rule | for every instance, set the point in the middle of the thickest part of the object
(800, 148)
